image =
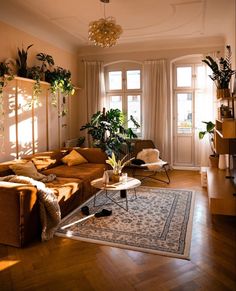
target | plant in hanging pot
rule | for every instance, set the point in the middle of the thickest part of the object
(214, 157)
(221, 72)
(60, 80)
(35, 73)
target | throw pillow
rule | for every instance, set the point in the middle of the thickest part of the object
(27, 169)
(74, 158)
(43, 163)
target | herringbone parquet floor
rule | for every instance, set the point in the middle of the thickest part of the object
(65, 264)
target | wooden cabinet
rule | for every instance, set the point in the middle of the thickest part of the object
(221, 184)
(225, 133)
(225, 129)
(221, 192)
(29, 124)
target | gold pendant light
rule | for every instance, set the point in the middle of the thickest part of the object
(104, 32)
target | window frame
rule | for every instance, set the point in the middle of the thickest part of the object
(124, 92)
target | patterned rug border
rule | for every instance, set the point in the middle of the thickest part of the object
(188, 236)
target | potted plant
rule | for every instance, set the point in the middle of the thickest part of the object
(108, 132)
(214, 157)
(60, 80)
(117, 166)
(222, 73)
(21, 61)
(47, 63)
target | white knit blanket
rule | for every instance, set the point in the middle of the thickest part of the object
(151, 159)
(50, 213)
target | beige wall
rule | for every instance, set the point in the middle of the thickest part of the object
(12, 38)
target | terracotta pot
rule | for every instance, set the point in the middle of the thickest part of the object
(223, 93)
(214, 161)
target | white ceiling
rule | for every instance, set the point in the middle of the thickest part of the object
(65, 22)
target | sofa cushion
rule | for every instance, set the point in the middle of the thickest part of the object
(85, 172)
(63, 188)
(43, 162)
(93, 155)
(74, 158)
(47, 160)
(69, 192)
(27, 169)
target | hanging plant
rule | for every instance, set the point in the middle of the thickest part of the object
(60, 81)
(21, 61)
(35, 73)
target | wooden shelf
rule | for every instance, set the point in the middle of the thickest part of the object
(226, 128)
(220, 192)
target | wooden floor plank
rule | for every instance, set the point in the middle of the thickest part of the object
(66, 264)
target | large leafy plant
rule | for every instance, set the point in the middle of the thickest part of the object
(221, 69)
(210, 132)
(108, 132)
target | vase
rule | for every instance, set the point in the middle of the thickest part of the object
(115, 178)
(223, 93)
(116, 174)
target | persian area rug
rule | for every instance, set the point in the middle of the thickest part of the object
(158, 221)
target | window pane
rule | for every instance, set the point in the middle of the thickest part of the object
(115, 80)
(201, 77)
(116, 102)
(133, 79)
(184, 109)
(134, 108)
(184, 76)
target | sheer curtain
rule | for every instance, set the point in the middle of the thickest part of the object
(94, 88)
(205, 109)
(155, 126)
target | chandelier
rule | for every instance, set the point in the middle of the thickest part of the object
(104, 32)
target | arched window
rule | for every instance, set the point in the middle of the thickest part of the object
(123, 83)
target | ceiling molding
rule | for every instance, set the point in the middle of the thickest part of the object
(154, 21)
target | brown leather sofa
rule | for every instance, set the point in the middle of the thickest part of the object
(19, 206)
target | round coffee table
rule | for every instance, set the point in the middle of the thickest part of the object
(122, 187)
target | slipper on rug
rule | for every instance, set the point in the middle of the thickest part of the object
(102, 213)
(85, 210)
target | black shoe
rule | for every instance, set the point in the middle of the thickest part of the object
(102, 213)
(85, 210)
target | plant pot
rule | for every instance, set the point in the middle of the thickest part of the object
(222, 93)
(214, 161)
(115, 178)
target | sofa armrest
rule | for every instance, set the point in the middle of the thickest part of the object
(5, 170)
(19, 214)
